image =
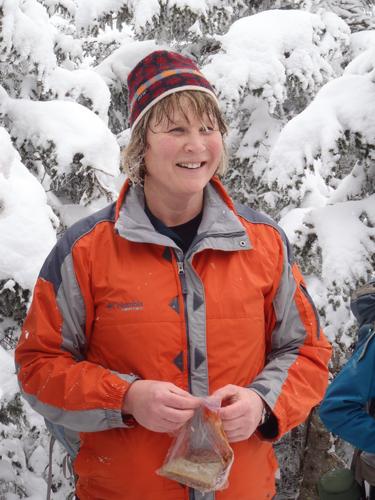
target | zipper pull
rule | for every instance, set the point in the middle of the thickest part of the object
(181, 273)
(180, 267)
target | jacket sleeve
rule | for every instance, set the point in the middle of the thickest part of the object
(344, 408)
(53, 373)
(295, 376)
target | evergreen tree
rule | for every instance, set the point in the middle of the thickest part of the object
(299, 150)
(358, 14)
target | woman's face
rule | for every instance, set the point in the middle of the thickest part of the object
(181, 156)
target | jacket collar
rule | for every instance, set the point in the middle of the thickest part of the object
(220, 227)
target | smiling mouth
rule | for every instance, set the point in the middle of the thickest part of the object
(191, 166)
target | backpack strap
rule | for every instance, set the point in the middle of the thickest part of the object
(50, 453)
(67, 467)
(57, 434)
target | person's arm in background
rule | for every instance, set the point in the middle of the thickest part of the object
(344, 407)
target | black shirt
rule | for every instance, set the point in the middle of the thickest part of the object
(182, 234)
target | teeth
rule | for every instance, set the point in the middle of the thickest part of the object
(190, 165)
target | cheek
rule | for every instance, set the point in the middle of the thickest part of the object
(164, 148)
(216, 146)
(156, 155)
(169, 146)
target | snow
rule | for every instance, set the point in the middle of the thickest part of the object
(200, 7)
(89, 11)
(346, 103)
(115, 68)
(39, 460)
(70, 85)
(195, 29)
(363, 63)
(263, 61)
(8, 380)
(72, 128)
(197, 6)
(345, 254)
(262, 132)
(6, 471)
(69, 45)
(263, 50)
(25, 219)
(69, 5)
(362, 47)
(328, 222)
(109, 36)
(26, 29)
(361, 41)
(144, 11)
(306, 152)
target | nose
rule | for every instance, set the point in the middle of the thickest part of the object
(195, 143)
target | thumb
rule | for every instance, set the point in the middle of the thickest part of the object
(226, 392)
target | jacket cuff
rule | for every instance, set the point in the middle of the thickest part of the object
(128, 377)
(269, 429)
(115, 416)
(114, 419)
(128, 421)
(269, 426)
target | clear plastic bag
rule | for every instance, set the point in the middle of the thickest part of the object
(200, 456)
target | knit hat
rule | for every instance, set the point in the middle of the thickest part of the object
(159, 74)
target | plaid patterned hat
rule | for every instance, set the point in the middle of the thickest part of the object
(159, 74)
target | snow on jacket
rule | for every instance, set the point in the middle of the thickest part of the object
(115, 299)
(344, 408)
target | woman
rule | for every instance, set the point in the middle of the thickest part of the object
(170, 295)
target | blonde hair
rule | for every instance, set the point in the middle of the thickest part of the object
(201, 103)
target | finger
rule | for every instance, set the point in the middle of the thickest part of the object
(236, 437)
(243, 432)
(232, 425)
(168, 426)
(165, 427)
(181, 402)
(225, 392)
(177, 416)
(239, 434)
(181, 392)
(232, 411)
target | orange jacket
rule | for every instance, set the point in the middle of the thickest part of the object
(117, 300)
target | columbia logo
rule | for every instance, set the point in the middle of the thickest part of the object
(126, 306)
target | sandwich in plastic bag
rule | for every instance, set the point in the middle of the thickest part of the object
(200, 456)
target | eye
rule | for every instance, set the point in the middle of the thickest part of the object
(207, 130)
(176, 130)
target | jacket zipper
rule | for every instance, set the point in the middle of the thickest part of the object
(182, 278)
(308, 297)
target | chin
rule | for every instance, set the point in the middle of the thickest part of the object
(195, 187)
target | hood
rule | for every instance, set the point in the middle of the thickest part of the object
(363, 303)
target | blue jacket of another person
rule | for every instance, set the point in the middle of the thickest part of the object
(344, 410)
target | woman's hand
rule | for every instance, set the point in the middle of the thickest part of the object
(241, 411)
(159, 406)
